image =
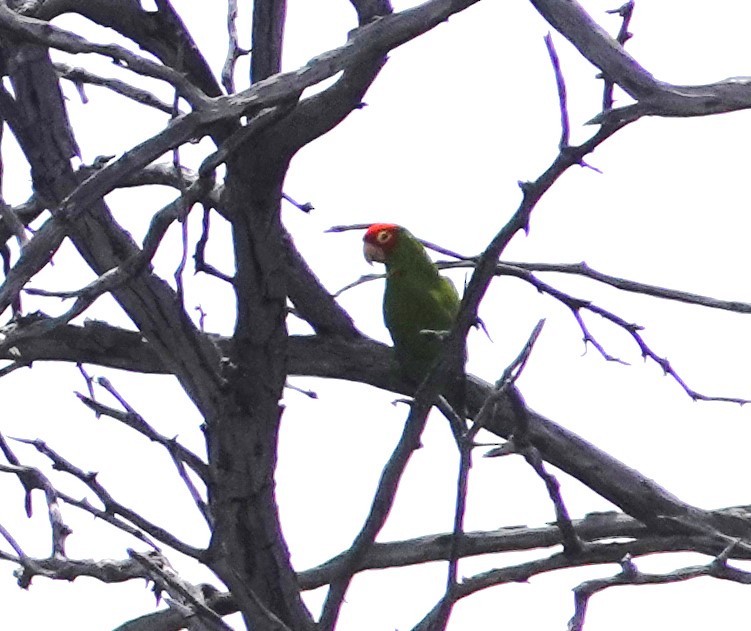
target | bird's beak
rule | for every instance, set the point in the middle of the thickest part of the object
(372, 252)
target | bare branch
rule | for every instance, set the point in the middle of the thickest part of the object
(11, 221)
(176, 619)
(311, 299)
(348, 227)
(576, 305)
(582, 269)
(112, 519)
(44, 33)
(606, 526)
(200, 503)
(13, 544)
(561, 85)
(234, 52)
(630, 575)
(81, 76)
(160, 571)
(465, 445)
(382, 501)
(654, 97)
(107, 282)
(510, 374)
(375, 38)
(110, 504)
(89, 383)
(595, 554)
(199, 256)
(572, 545)
(305, 207)
(268, 35)
(366, 361)
(136, 422)
(625, 11)
(58, 568)
(26, 479)
(182, 218)
(34, 479)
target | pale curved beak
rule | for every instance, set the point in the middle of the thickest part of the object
(372, 253)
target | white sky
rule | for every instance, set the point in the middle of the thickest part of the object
(454, 121)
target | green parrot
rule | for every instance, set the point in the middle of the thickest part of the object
(418, 306)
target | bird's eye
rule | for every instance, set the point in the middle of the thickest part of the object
(383, 236)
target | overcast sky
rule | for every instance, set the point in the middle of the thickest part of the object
(455, 120)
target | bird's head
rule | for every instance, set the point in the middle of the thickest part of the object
(380, 240)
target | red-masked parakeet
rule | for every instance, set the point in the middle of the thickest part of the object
(419, 305)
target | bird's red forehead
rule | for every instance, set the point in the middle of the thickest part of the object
(381, 233)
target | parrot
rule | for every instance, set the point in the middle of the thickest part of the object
(419, 306)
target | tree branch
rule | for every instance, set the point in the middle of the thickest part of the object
(81, 76)
(45, 34)
(267, 38)
(630, 575)
(366, 361)
(110, 504)
(653, 97)
(161, 33)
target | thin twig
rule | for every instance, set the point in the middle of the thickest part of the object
(625, 11)
(80, 76)
(305, 207)
(582, 269)
(12, 543)
(576, 305)
(47, 34)
(572, 544)
(467, 316)
(37, 480)
(561, 86)
(457, 534)
(510, 374)
(382, 501)
(110, 504)
(115, 277)
(630, 575)
(199, 256)
(520, 442)
(26, 480)
(202, 506)
(511, 268)
(432, 246)
(234, 51)
(106, 516)
(89, 382)
(311, 394)
(183, 187)
(366, 278)
(201, 318)
(348, 227)
(135, 421)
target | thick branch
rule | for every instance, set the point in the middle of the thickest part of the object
(41, 32)
(267, 38)
(653, 97)
(161, 33)
(366, 361)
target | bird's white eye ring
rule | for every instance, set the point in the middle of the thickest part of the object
(383, 236)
